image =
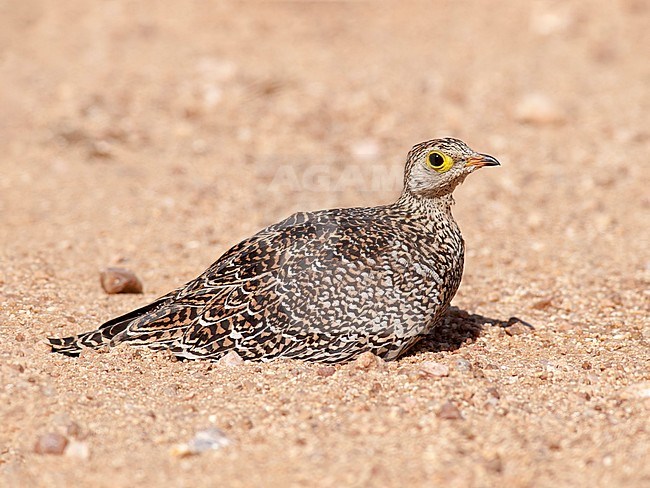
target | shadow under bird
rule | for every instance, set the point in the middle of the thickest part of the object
(320, 286)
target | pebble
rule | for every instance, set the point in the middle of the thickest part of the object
(231, 359)
(432, 369)
(516, 327)
(494, 464)
(211, 439)
(101, 149)
(51, 443)
(325, 371)
(367, 361)
(542, 304)
(478, 373)
(77, 449)
(463, 365)
(538, 109)
(491, 403)
(120, 280)
(493, 392)
(449, 411)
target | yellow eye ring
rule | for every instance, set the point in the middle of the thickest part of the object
(439, 161)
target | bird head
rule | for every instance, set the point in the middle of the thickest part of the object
(434, 168)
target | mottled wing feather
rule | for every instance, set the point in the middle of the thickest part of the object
(186, 314)
(255, 313)
(254, 303)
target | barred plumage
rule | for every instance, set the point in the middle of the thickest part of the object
(320, 286)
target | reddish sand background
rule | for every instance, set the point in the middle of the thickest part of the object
(154, 135)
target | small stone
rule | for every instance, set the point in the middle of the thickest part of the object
(493, 392)
(516, 327)
(50, 443)
(538, 109)
(542, 304)
(494, 464)
(120, 280)
(593, 379)
(478, 373)
(367, 361)
(431, 369)
(325, 371)
(181, 451)
(449, 411)
(462, 365)
(231, 359)
(101, 149)
(77, 449)
(211, 439)
(70, 134)
(554, 443)
(491, 403)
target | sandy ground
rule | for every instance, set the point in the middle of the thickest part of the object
(155, 136)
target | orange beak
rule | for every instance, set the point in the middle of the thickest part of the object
(481, 160)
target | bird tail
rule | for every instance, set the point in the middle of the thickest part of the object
(103, 335)
(73, 345)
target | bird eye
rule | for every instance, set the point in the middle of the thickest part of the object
(439, 162)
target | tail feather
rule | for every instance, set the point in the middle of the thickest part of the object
(73, 345)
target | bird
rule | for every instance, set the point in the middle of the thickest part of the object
(322, 286)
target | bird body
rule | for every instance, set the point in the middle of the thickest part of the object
(321, 286)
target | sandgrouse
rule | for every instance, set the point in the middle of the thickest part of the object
(320, 286)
